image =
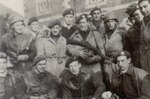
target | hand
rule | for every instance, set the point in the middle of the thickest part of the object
(22, 57)
(106, 95)
(94, 59)
(84, 54)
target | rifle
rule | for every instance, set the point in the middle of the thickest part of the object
(89, 46)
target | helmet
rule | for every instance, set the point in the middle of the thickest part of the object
(110, 16)
(15, 19)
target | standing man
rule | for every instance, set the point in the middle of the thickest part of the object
(54, 48)
(35, 28)
(68, 26)
(19, 46)
(96, 22)
(39, 84)
(129, 82)
(145, 35)
(81, 83)
(88, 57)
(133, 35)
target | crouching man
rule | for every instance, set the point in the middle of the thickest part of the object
(129, 82)
(39, 83)
(81, 83)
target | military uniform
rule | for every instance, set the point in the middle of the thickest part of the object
(93, 38)
(84, 86)
(38, 84)
(55, 53)
(21, 44)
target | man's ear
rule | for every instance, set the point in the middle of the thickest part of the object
(129, 60)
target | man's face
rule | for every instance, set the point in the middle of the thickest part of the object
(96, 15)
(3, 65)
(69, 19)
(144, 7)
(40, 66)
(137, 16)
(83, 24)
(123, 62)
(74, 67)
(111, 24)
(34, 26)
(55, 30)
(18, 27)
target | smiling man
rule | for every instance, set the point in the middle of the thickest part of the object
(129, 82)
(81, 83)
(54, 48)
(40, 84)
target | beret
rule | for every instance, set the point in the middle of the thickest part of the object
(3, 55)
(33, 19)
(142, 1)
(94, 9)
(124, 53)
(70, 60)
(68, 11)
(82, 16)
(56, 22)
(38, 59)
(131, 9)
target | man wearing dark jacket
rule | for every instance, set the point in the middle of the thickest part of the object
(129, 82)
(39, 84)
(81, 83)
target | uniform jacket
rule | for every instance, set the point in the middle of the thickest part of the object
(94, 39)
(21, 44)
(37, 84)
(140, 80)
(54, 52)
(145, 44)
(84, 86)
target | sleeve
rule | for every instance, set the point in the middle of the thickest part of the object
(53, 87)
(74, 50)
(32, 51)
(40, 46)
(97, 80)
(145, 88)
(66, 91)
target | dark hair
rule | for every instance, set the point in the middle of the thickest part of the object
(70, 60)
(142, 1)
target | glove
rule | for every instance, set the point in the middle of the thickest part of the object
(22, 57)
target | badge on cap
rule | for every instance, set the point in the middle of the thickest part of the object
(122, 53)
(83, 16)
(71, 12)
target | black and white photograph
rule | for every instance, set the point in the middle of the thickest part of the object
(74, 49)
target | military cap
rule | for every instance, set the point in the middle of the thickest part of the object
(110, 16)
(56, 22)
(82, 16)
(38, 59)
(94, 9)
(33, 19)
(68, 11)
(131, 9)
(70, 60)
(14, 19)
(3, 55)
(124, 53)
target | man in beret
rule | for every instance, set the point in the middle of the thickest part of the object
(133, 34)
(81, 83)
(54, 48)
(19, 46)
(144, 6)
(129, 82)
(97, 22)
(38, 83)
(68, 26)
(34, 27)
(88, 57)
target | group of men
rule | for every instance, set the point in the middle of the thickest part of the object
(78, 58)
